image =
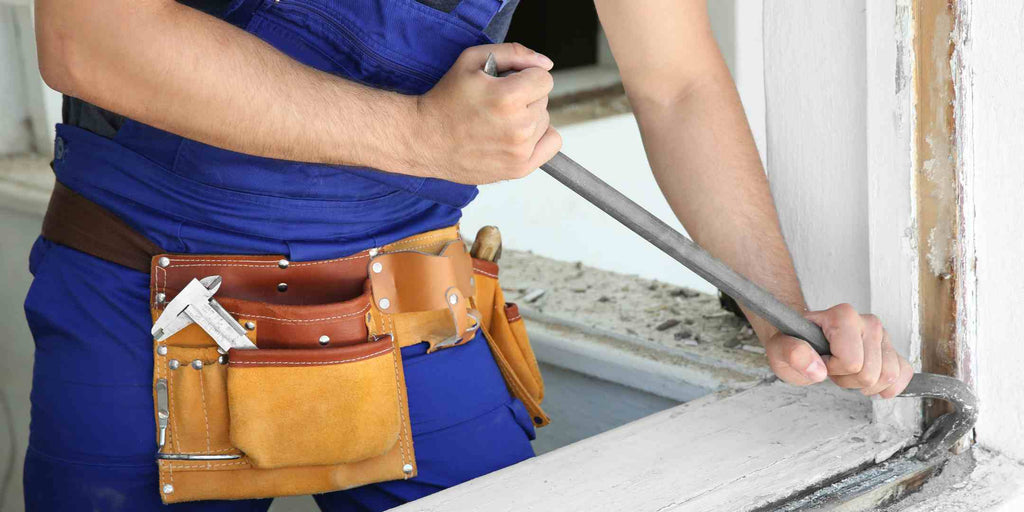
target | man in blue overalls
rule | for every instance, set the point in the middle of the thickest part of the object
(266, 127)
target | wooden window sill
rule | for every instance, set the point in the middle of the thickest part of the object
(741, 451)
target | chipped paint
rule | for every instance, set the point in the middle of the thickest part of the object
(936, 187)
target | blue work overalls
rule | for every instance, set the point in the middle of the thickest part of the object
(92, 440)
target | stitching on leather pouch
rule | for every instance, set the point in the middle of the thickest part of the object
(206, 413)
(398, 387)
(174, 417)
(401, 243)
(488, 274)
(315, 363)
(262, 263)
(207, 465)
(414, 247)
(307, 320)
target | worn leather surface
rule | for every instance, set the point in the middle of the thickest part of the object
(417, 281)
(305, 357)
(284, 326)
(223, 407)
(257, 278)
(200, 422)
(77, 222)
(509, 342)
(315, 407)
(413, 284)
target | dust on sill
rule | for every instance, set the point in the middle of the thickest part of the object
(664, 322)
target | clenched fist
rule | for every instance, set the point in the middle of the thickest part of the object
(478, 129)
(862, 356)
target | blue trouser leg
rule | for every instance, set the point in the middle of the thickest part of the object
(92, 434)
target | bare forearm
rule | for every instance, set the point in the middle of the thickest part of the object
(183, 71)
(704, 159)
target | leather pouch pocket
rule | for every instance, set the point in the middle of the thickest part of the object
(510, 345)
(311, 407)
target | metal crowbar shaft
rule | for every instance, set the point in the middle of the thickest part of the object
(939, 437)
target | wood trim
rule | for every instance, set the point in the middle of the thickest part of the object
(746, 450)
(937, 184)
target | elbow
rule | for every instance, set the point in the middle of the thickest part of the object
(56, 51)
(670, 92)
(55, 67)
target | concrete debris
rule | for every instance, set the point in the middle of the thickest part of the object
(683, 334)
(757, 349)
(685, 293)
(534, 294)
(718, 314)
(667, 324)
(661, 318)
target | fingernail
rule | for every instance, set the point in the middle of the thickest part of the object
(815, 371)
(547, 62)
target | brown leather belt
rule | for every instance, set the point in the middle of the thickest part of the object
(286, 304)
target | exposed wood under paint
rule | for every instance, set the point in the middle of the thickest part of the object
(936, 176)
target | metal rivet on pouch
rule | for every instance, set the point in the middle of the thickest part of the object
(407, 468)
(197, 364)
(377, 267)
(384, 303)
(173, 364)
(163, 261)
(283, 263)
(325, 339)
(160, 297)
(222, 359)
(453, 299)
(250, 325)
(168, 488)
(161, 350)
(282, 287)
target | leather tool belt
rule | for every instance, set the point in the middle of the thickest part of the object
(321, 404)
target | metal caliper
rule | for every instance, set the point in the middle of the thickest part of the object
(195, 304)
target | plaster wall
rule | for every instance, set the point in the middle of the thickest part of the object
(14, 134)
(995, 72)
(815, 92)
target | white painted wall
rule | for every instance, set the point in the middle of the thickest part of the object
(748, 66)
(14, 135)
(814, 68)
(29, 109)
(995, 72)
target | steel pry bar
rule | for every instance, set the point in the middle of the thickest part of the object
(939, 437)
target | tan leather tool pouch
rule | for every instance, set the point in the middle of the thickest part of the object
(510, 345)
(315, 406)
(320, 406)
